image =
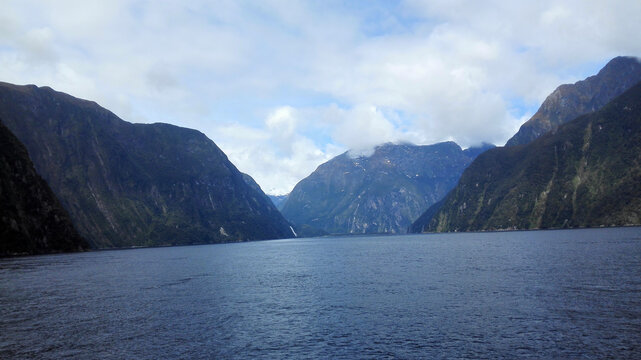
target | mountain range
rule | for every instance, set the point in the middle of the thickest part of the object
(380, 193)
(129, 184)
(385, 192)
(73, 175)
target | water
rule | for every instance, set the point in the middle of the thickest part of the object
(552, 294)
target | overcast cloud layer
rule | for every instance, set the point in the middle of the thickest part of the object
(282, 86)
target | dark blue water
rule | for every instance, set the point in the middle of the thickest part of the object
(546, 294)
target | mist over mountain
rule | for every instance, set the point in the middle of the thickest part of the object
(32, 220)
(278, 200)
(380, 193)
(586, 173)
(571, 100)
(135, 184)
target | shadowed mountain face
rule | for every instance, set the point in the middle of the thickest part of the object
(135, 184)
(571, 100)
(278, 200)
(382, 193)
(32, 220)
(587, 173)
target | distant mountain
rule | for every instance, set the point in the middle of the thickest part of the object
(278, 200)
(585, 174)
(135, 184)
(32, 220)
(381, 193)
(571, 100)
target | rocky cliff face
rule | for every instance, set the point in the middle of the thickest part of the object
(135, 184)
(382, 193)
(571, 100)
(585, 174)
(32, 220)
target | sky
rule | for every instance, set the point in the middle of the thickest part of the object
(283, 86)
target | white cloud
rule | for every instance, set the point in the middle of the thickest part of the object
(282, 85)
(281, 125)
(277, 154)
(363, 127)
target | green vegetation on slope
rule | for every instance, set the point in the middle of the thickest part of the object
(587, 173)
(135, 184)
(32, 220)
(381, 193)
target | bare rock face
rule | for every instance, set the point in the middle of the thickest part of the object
(381, 193)
(136, 184)
(569, 101)
(32, 220)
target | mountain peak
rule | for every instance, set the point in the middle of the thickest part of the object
(620, 64)
(584, 174)
(569, 101)
(381, 193)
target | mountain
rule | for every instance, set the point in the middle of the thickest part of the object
(32, 220)
(381, 193)
(569, 101)
(135, 184)
(278, 200)
(587, 173)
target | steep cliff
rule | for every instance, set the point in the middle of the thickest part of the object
(32, 220)
(135, 184)
(569, 101)
(586, 173)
